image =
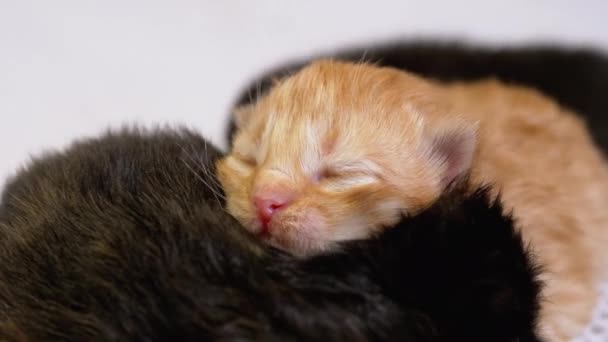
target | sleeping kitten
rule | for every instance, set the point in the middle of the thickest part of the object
(338, 151)
(123, 238)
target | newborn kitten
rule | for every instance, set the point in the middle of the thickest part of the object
(338, 151)
(123, 238)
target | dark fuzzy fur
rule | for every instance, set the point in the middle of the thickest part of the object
(118, 239)
(577, 78)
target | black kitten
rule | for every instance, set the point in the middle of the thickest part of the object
(124, 238)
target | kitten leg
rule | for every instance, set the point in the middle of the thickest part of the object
(568, 301)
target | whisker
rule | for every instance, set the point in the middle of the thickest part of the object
(254, 93)
(213, 191)
(206, 169)
(216, 193)
(363, 58)
(200, 163)
(258, 90)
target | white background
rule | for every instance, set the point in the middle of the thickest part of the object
(73, 68)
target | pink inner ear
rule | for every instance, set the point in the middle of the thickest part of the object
(455, 149)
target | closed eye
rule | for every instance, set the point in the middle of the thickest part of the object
(348, 181)
(342, 177)
(350, 169)
(329, 174)
(245, 159)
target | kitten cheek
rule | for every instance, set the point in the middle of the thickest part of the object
(353, 228)
(238, 208)
(362, 214)
(237, 194)
(232, 175)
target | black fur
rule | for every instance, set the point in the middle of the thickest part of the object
(577, 78)
(118, 238)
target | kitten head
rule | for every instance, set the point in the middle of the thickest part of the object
(338, 151)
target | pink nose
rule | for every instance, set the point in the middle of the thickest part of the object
(267, 205)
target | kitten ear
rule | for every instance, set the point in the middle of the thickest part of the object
(241, 115)
(453, 148)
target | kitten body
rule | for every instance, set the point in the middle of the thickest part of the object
(124, 238)
(347, 148)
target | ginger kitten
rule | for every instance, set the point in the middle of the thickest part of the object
(339, 150)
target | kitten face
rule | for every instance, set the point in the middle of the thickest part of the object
(335, 152)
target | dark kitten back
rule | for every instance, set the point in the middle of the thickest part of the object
(124, 238)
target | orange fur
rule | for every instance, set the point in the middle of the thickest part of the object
(358, 145)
